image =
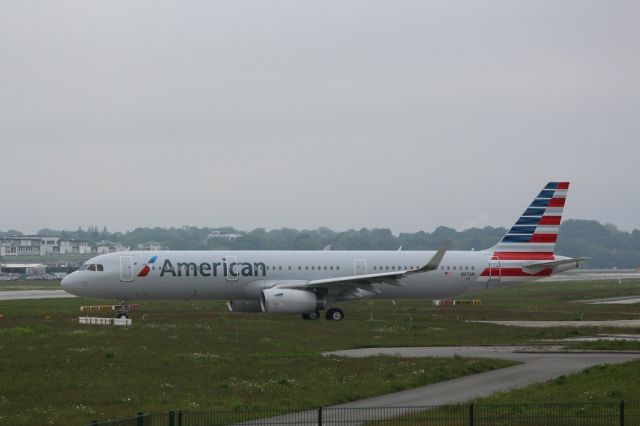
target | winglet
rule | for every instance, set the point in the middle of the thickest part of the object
(433, 263)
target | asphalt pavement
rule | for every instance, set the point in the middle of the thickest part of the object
(34, 294)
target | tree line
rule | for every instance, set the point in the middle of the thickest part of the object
(606, 245)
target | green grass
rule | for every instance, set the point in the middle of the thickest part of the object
(600, 383)
(183, 355)
(197, 356)
(608, 383)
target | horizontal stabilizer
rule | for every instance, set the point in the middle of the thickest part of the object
(554, 263)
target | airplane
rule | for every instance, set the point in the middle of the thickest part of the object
(308, 282)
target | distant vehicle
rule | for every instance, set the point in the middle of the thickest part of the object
(307, 282)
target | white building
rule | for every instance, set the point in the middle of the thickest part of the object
(229, 236)
(151, 246)
(74, 247)
(104, 247)
(41, 245)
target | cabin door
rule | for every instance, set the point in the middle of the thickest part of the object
(126, 268)
(359, 267)
(494, 270)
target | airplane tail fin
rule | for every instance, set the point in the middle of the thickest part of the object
(535, 233)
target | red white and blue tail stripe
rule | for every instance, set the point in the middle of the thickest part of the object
(534, 235)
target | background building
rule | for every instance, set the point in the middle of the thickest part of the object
(26, 269)
(104, 247)
(41, 245)
(151, 246)
(229, 236)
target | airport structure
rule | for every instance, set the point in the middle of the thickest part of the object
(24, 269)
(40, 245)
(104, 247)
(44, 245)
(228, 236)
(151, 246)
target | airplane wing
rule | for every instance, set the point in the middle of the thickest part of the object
(390, 278)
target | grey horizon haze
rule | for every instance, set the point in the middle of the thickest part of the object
(404, 115)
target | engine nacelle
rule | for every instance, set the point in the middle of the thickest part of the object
(244, 306)
(290, 301)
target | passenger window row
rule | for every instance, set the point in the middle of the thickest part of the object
(313, 268)
(394, 268)
(465, 268)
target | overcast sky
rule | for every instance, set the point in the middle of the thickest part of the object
(399, 114)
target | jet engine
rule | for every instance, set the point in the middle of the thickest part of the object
(244, 306)
(290, 301)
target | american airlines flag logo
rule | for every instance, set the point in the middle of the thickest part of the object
(145, 271)
(533, 237)
(536, 231)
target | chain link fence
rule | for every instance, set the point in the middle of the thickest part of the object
(622, 413)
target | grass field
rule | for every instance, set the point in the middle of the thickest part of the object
(600, 383)
(197, 356)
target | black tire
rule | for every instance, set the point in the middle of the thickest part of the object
(314, 315)
(123, 315)
(305, 316)
(334, 314)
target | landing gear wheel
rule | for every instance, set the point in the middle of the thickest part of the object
(334, 314)
(123, 312)
(313, 315)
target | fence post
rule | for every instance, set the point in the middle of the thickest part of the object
(179, 417)
(471, 414)
(622, 413)
(320, 416)
(172, 418)
(140, 418)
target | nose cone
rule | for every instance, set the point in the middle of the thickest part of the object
(70, 283)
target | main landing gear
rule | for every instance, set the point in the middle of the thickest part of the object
(314, 315)
(333, 314)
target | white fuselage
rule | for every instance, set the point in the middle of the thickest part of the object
(306, 282)
(242, 275)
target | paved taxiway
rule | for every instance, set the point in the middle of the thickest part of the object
(34, 294)
(593, 275)
(537, 366)
(622, 300)
(549, 324)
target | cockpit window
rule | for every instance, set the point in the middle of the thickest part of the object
(93, 267)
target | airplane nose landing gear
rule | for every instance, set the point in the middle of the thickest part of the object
(123, 312)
